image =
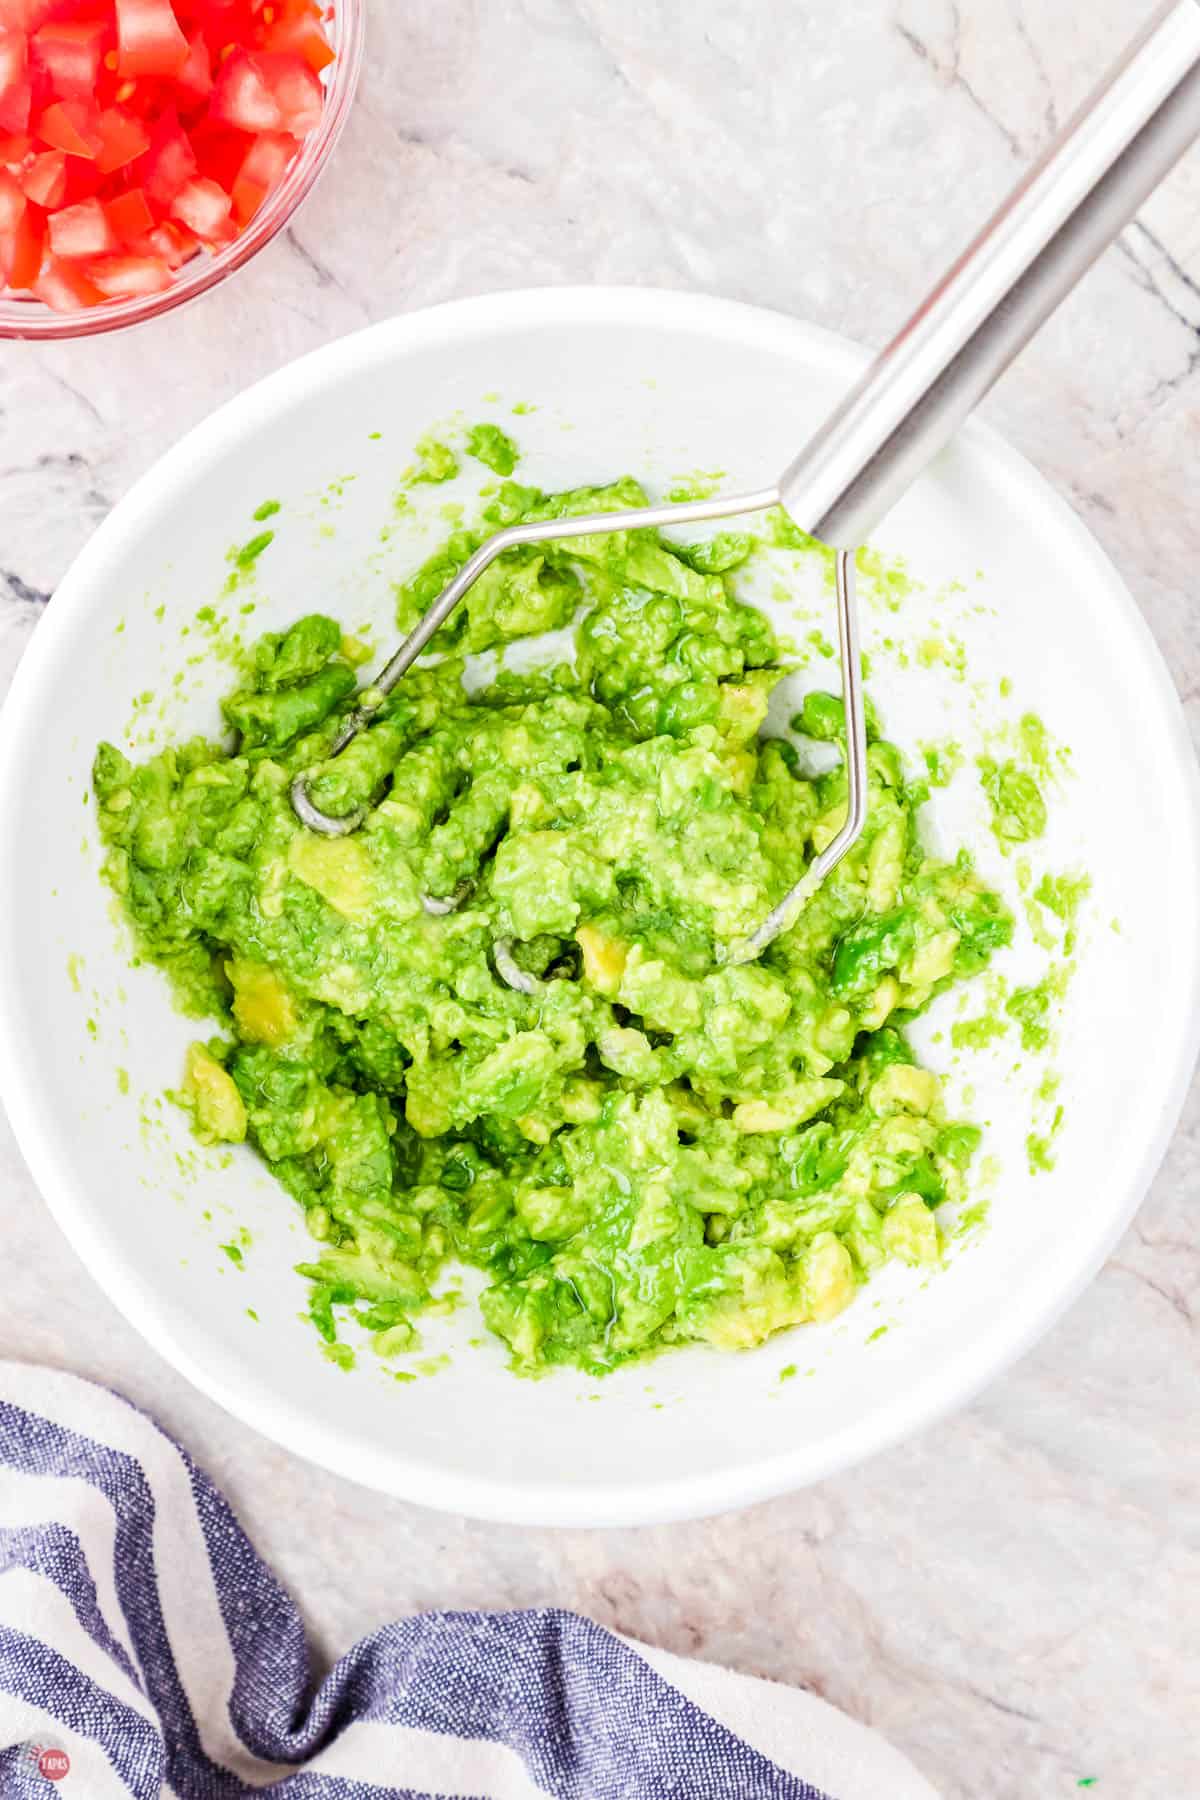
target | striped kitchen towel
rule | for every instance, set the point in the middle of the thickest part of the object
(146, 1650)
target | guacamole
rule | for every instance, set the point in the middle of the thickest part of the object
(654, 1146)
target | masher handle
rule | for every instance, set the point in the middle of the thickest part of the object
(1028, 257)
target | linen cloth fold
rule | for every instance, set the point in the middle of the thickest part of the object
(146, 1650)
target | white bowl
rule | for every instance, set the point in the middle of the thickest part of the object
(660, 384)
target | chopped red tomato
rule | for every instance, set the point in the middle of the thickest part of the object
(135, 134)
(297, 28)
(25, 15)
(242, 96)
(168, 163)
(220, 151)
(121, 277)
(123, 138)
(21, 251)
(82, 230)
(44, 179)
(12, 203)
(172, 242)
(261, 171)
(65, 287)
(149, 39)
(202, 206)
(14, 59)
(225, 23)
(16, 89)
(194, 82)
(297, 90)
(84, 180)
(68, 53)
(70, 125)
(129, 216)
(15, 107)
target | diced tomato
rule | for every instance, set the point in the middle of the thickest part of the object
(21, 252)
(70, 125)
(149, 39)
(202, 206)
(83, 181)
(69, 52)
(65, 287)
(129, 216)
(297, 90)
(220, 151)
(81, 231)
(262, 169)
(268, 156)
(25, 15)
(298, 30)
(16, 104)
(242, 96)
(123, 138)
(123, 277)
(16, 147)
(224, 22)
(174, 243)
(194, 82)
(12, 203)
(168, 163)
(14, 62)
(45, 179)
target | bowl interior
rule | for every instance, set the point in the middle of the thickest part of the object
(1008, 608)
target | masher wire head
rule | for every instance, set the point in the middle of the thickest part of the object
(782, 915)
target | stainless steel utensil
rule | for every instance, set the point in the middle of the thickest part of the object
(1028, 257)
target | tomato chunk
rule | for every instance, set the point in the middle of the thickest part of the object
(81, 231)
(68, 51)
(122, 277)
(21, 250)
(168, 163)
(297, 28)
(65, 287)
(243, 96)
(16, 104)
(12, 203)
(123, 138)
(14, 58)
(70, 125)
(297, 90)
(173, 242)
(219, 151)
(25, 15)
(149, 38)
(194, 82)
(202, 206)
(129, 216)
(262, 169)
(44, 178)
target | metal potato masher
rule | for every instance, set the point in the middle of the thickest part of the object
(1028, 257)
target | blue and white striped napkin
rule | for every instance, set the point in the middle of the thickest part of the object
(146, 1651)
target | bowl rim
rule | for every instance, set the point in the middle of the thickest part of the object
(1052, 1286)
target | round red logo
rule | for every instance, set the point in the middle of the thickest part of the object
(54, 1764)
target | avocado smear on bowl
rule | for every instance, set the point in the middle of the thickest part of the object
(658, 1146)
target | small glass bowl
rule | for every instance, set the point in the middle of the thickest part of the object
(30, 318)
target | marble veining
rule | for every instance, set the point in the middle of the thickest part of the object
(1012, 1597)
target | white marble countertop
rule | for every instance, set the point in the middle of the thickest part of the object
(1013, 1596)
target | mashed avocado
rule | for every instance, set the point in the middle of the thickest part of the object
(655, 1147)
